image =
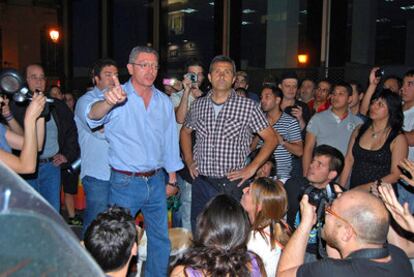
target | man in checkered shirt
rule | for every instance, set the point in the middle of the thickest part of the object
(224, 124)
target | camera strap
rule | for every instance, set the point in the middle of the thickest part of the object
(370, 253)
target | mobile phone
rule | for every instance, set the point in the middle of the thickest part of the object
(169, 82)
(405, 172)
(379, 72)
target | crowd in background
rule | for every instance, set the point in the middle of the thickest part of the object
(302, 178)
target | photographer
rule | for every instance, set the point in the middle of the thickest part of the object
(60, 147)
(29, 143)
(356, 224)
(326, 165)
(182, 100)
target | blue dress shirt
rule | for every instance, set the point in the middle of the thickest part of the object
(141, 139)
(93, 144)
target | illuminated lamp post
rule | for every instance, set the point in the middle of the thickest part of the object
(54, 35)
(303, 59)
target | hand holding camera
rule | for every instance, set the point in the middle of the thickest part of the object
(376, 75)
(308, 212)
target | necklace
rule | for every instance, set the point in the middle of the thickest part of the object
(374, 134)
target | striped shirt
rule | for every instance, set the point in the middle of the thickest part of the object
(288, 127)
(223, 142)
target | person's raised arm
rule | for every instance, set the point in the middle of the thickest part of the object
(26, 162)
(114, 96)
(8, 116)
(373, 83)
(182, 108)
(294, 252)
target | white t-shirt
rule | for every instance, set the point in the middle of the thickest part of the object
(409, 126)
(261, 247)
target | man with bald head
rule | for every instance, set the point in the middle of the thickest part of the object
(356, 225)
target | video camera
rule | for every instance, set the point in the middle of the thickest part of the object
(12, 83)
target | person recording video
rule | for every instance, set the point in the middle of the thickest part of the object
(29, 143)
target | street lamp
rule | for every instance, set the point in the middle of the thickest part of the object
(54, 35)
(303, 59)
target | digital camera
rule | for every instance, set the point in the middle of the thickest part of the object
(192, 76)
(318, 197)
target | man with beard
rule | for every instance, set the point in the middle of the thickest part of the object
(287, 131)
(356, 225)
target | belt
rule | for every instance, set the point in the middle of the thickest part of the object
(137, 174)
(47, 160)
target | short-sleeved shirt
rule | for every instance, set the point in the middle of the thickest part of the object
(409, 126)
(288, 127)
(329, 129)
(223, 143)
(398, 266)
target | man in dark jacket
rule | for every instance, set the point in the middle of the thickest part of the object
(61, 145)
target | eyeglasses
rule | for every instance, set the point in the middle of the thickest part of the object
(147, 65)
(36, 78)
(328, 210)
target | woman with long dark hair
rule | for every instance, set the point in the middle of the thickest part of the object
(376, 148)
(265, 201)
(219, 246)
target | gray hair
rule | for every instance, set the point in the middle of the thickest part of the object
(222, 58)
(141, 49)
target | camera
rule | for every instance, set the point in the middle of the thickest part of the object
(319, 197)
(192, 76)
(379, 73)
(11, 82)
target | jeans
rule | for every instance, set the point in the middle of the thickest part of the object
(205, 188)
(148, 195)
(97, 198)
(406, 194)
(182, 217)
(47, 183)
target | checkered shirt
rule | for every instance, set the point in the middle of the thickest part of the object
(223, 143)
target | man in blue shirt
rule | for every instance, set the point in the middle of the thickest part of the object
(95, 170)
(140, 127)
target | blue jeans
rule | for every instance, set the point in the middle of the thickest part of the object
(205, 188)
(405, 194)
(47, 183)
(148, 195)
(182, 217)
(97, 198)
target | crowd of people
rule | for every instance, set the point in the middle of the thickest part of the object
(303, 178)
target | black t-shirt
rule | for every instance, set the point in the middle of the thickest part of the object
(399, 266)
(294, 189)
